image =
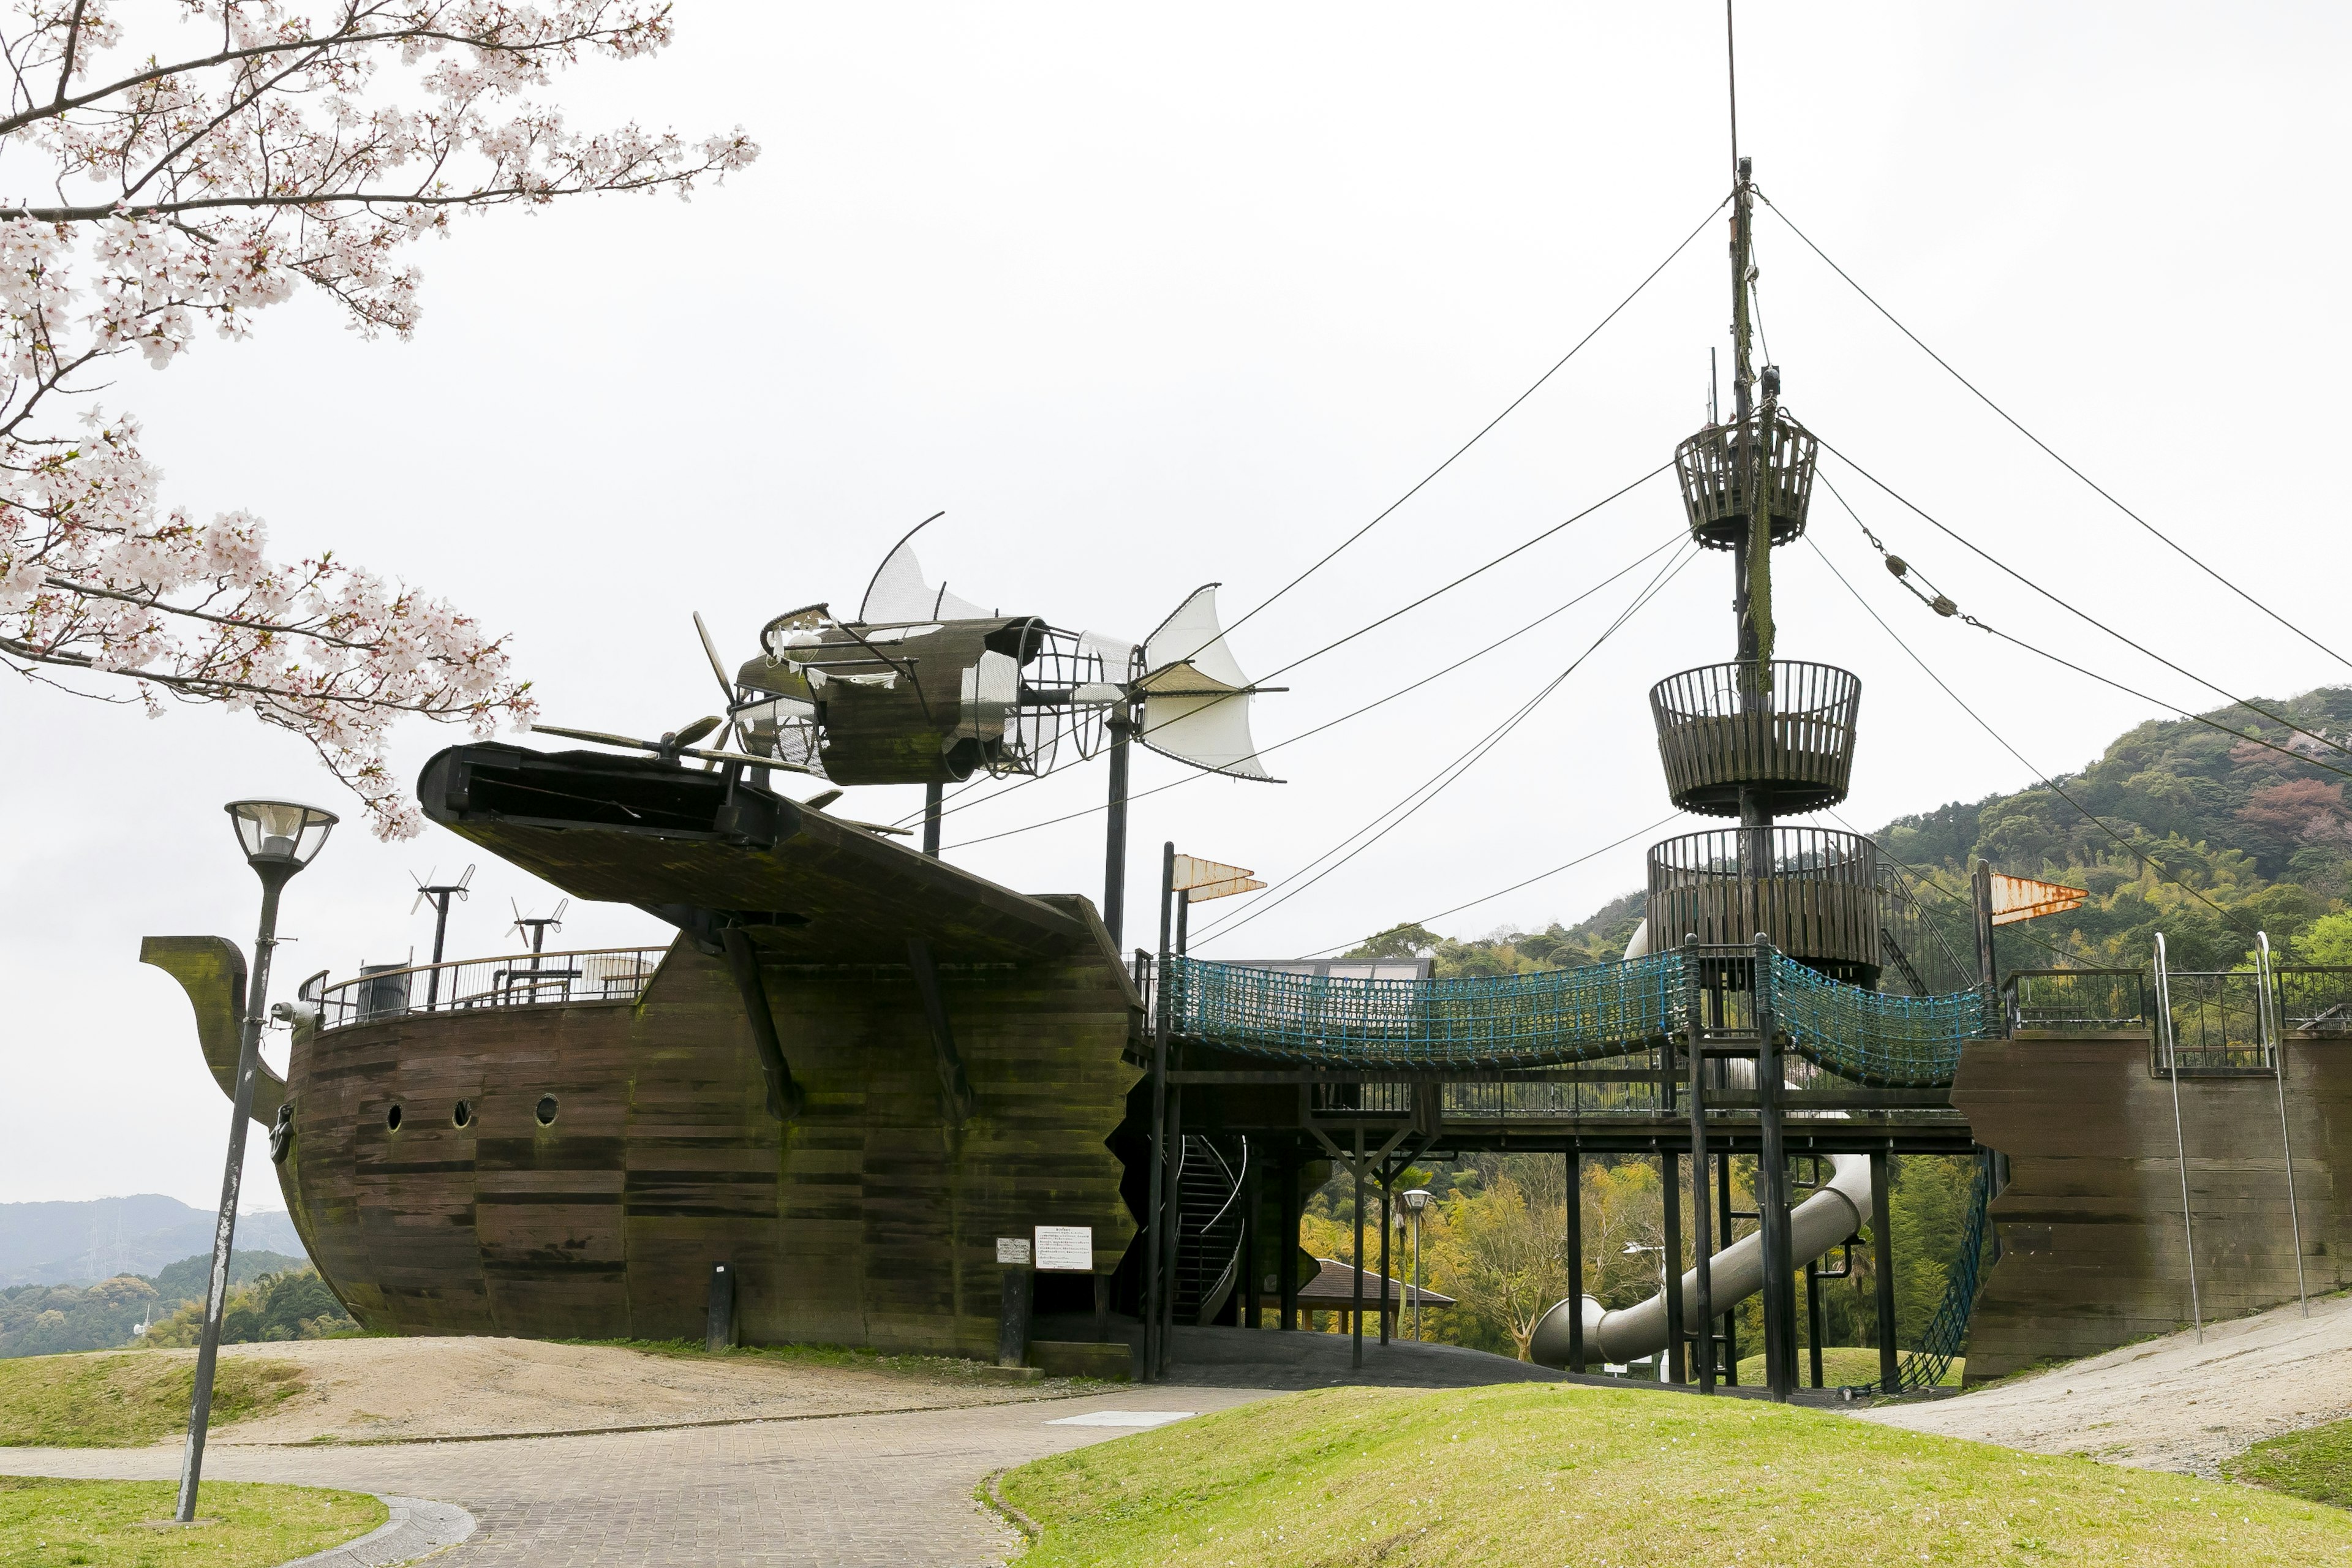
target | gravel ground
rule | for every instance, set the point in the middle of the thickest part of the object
(420, 1389)
(2171, 1403)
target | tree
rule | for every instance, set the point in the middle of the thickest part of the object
(224, 153)
(1503, 1257)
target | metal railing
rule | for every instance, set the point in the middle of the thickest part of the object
(2078, 1001)
(2315, 1000)
(514, 980)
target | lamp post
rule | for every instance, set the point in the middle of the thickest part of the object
(1415, 1200)
(279, 837)
(1634, 1249)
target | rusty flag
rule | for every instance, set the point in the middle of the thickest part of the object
(2016, 898)
(1200, 881)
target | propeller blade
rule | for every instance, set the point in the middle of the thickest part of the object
(693, 732)
(600, 737)
(822, 799)
(710, 651)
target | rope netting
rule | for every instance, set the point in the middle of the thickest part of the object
(1553, 1016)
(1518, 1020)
(1893, 1042)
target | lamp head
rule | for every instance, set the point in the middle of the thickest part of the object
(1415, 1199)
(279, 835)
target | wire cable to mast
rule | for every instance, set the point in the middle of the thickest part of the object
(1437, 783)
(2047, 449)
(2043, 779)
(1479, 571)
(1536, 385)
(2080, 614)
(1195, 777)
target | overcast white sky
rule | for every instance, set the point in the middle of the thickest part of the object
(1151, 298)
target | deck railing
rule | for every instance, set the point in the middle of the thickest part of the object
(467, 984)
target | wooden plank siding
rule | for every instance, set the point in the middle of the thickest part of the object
(869, 1220)
(2092, 1253)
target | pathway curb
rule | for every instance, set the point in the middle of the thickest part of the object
(417, 1528)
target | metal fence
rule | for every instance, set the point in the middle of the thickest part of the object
(516, 980)
(2315, 1000)
(2078, 1001)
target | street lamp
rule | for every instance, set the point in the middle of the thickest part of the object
(279, 838)
(1416, 1200)
(1634, 1249)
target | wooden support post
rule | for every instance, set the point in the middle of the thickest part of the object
(932, 794)
(1670, 1179)
(1881, 1261)
(1102, 1309)
(1385, 1218)
(1249, 1237)
(1723, 1164)
(1772, 1189)
(1814, 1318)
(955, 1087)
(719, 1331)
(1575, 1173)
(1287, 1240)
(1175, 1226)
(1703, 1231)
(1356, 1302)
(1114, 911)
(1156, 1220)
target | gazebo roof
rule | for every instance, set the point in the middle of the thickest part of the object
(1334, 1285)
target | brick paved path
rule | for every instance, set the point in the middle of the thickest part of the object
(844, 1492)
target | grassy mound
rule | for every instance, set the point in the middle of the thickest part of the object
(107, 1524)
(2315, 1464)
(1523, 1474)
(99, 1400)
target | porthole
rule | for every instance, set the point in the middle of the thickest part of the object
(547, 1110)
(392, 1118)
(463, 1116)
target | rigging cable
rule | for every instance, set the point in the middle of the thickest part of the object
(2071, 609)
(1920, 876)
(2046, 448)
(1944, 606)
(1194, 776)
(1518, 549)
(1438, 782)
(2047, 782)
(1490, 424)
(1484, 897)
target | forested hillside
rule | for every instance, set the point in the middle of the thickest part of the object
(2205, 833)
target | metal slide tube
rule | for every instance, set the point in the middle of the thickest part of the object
(1815, 1226)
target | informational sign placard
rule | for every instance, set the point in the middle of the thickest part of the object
(1013, 1249)
(1065, 1249)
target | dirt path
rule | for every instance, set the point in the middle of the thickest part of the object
(2170, 1403)
(416, 1389)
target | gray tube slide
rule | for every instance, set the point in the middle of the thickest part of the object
(1815, 1226)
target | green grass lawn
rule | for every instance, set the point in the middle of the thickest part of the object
(2315, 1464)
(52, 1524)
(116, 1399)
(1546, 1474)
(1842, 1366)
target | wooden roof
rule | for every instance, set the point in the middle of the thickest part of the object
(1334, 1285)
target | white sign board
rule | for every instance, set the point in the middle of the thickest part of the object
(1013, 1249)
(1066, 1248)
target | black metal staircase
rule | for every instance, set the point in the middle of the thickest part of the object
(1208, 1225)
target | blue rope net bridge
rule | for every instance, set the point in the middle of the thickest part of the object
(1557, 1016)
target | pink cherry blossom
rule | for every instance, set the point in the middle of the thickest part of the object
(181, 165)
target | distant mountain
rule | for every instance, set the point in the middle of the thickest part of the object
(79, 1242)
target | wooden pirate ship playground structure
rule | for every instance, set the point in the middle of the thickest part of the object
(866, 1097)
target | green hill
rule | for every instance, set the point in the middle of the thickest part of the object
(2205, 834)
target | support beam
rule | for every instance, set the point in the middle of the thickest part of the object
(1723, 1162)
(1703, 1230)
(955, 1088)
(1813, 1318)
(784, 1098)
(1250, 1186)
(1355, 1301)
(1155, 1221)
(1882, 1262)
(1386, 1217)
(1772, 1190)
(1287, 1239)
(932, 794)
(1574, 1171)
(1670, 1186)
(1114, 909)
